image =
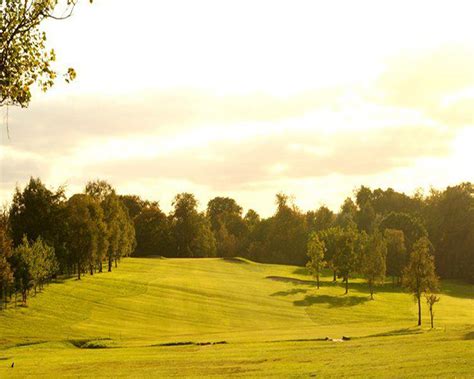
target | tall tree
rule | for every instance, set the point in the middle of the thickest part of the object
(191, 231)
(287, 234)
(83, 216)
(227, 224)
(347, 258)
(316, 256)
(373, 262)
(6, 272)
(450, 221)
(331, 238)
(419, 275)
(413, 229)
(396, 253)
(152, 230)
(36, 212)
(321, 219)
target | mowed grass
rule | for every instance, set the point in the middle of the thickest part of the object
(171, 317)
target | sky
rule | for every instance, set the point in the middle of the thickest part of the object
(250, 98)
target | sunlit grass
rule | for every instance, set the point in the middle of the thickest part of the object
(271, 317)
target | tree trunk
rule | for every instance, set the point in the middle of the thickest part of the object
(317, 280)
(78, 271)
(347, 286)
(115, 262)
(110, 263)
(334, 278)
(92, 269)
(419, 310)
(100, 266)
(431, 316)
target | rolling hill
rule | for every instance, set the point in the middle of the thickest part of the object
(214, 317)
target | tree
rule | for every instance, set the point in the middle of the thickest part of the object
(41, 261)
(373, 262)
(347, 214)
(287, 237)
(331, 238)
(152, 232)
(39, 212)
(413, 229)
(127, 242)
(449, 218)
(84, 216)
(227, 224)
(6, 272)
(316, 256)
(346, 258)
(396, 253)
(321, 219)
(22, 276)
(419, 275)
(431, 299)
(24, 59)
(191, 230)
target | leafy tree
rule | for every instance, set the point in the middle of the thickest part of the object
(396, 253)
(331, 238)
(320, 220)
(41, 261)
(419, 275)
(449, 217)
(365, 215)
(127, 242)
(38, 212)
(83, 217)
(204, 243)
(152, 231)
(347, 215)
(112, 211)
(431, 300)
(316, 256)
(6, 272)
(251, 220)
(287, 234)
(227, 224)
(411, 227)
(373, 262)
(346, 259)
(22, 276)
(135, 205)
(191, 230)
(24, 59)
(99, 189)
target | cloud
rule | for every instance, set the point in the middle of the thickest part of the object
(226, 165)
(439, 82)
(56, 126)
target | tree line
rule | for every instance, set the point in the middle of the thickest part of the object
(375, 232)
(43, 235)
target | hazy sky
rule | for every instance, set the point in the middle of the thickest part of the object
(249, 98)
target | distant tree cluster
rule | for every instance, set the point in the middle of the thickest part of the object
(375, 234)
(43, 235)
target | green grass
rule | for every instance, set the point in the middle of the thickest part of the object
(171, 317)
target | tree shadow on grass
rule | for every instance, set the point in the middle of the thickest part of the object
(396, 332)
(332, 301)
(469, 336)
(301, 271)
(294, 291)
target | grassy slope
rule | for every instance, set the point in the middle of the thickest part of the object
(270, 325)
